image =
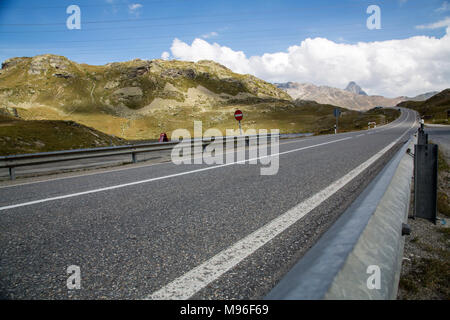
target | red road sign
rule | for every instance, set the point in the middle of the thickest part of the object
(238, 115)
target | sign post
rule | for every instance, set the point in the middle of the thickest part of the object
(337, 113)
(238, 115)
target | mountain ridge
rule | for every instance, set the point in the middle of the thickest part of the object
(132, 99)
(345, 98)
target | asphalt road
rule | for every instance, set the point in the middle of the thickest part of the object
(183, 231)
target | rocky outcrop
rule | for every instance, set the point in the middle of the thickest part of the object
(177, 73)
(10, 63)
(64, 75)
(42, 63)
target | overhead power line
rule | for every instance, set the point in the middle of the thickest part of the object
(234, 13)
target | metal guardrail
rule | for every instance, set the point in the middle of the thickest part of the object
(366, 241)
(13, 161)
(425, 177)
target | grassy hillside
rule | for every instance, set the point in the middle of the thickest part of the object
(434, 109)
(319, 119)
(135, 100)
(19, 136)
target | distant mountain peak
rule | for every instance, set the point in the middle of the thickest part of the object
(354, 88)
(338, 97)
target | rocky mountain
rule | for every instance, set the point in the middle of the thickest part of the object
(339, 97)
(137, 99)
(433, 109)
(354, 88)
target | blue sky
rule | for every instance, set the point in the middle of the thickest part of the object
(112, 31)
(323, 42)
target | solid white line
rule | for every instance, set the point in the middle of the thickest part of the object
(196, 279)
(82, 175)
(160, 178)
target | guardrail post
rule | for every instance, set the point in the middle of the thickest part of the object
(133, 157)
(422, 138)
(205, 143)
(425, 181)
(12, 173)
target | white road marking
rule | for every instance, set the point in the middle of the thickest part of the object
(81, 175)
(196, 279)
(160, 178)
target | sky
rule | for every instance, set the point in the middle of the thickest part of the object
(324, 42)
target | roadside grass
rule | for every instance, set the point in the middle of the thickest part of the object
(430, 275)
(446, 233)
(443, 201)
(442, 162)
(20, 136)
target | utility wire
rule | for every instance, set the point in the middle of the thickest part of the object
(234, 13)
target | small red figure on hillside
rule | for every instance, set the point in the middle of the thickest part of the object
(163, 137)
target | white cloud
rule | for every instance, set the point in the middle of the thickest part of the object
(134, 8)
(165, 55)
(391, 68)
(445, 7)
(210, 35)
(435, 25)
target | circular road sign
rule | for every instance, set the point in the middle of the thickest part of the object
(238, 115)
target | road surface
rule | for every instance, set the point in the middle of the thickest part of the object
(166, 231)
